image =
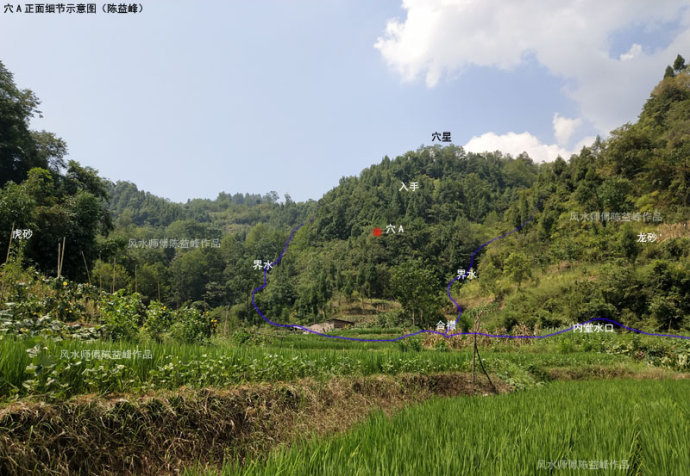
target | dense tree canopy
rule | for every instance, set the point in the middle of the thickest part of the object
(435, 207)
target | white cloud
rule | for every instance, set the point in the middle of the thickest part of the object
(563, 128)
(571, 39)
(634, 52)
(515, 144)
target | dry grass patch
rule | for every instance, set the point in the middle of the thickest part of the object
(162, 432)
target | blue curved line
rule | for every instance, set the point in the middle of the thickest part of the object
(427, 331)
(472, 262)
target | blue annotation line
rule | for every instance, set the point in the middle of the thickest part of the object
(429, 331)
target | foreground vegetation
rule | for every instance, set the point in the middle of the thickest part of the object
(59, 339)
(161, 432)
(590, 423)
(56, 370)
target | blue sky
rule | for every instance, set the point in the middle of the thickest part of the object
(188, 99)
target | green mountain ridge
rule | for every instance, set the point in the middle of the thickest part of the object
(555, 270)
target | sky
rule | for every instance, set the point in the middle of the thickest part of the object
(189, 99)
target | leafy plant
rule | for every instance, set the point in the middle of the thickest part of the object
(192, 325)
(158, 320)
(122, 314)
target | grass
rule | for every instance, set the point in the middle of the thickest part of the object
(212, 425)
(643, 423)
(50, 373)
(58, 370)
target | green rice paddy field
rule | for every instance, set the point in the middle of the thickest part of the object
(619, 427)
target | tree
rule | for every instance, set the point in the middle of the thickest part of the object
(629, 244)
(416, 288)
(517, 267)
(109, 276)
(669, 72)
(191, 272)
(679, 64)
(614, 193)
(20, 148)
(272, 197)
(559, 166)
(667, 311)
(478, 196)
(55, 206)
(587, 191)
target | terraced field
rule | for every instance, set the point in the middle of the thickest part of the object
(615, 427)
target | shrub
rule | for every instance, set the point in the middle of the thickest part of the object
(415, 343)
(241, 336)
(121, 315)
(565, 346)
(67, 304)
(441, 345)
(192, 325)
(403, 345)
(391, 318)
(158, 320)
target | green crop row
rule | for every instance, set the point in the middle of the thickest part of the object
(619, 426)
(59, 369)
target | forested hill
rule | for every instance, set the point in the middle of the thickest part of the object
(635, 184)
(399, 231)
(450, 185)
(142, 208)
(436, 196)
